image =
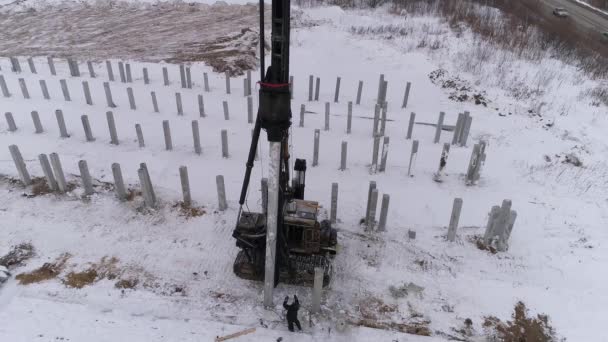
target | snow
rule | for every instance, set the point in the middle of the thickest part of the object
(557, 248)
(75, 322)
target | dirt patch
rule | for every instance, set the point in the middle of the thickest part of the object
(572, 159)
(372, 308)
(126, 276)
(189, 211)
(47, 271)
(478, 242)
(18, 255)
(220, 35)
(131, 194)
(106, 268)
(377, 314)
(408, 328)
(80, 279)
(224, 297)
(131, 276)
(126, 283)
(521, 327)
(459, 90)
(40, 187)
(233, 53)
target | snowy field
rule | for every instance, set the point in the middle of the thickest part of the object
(186, 290)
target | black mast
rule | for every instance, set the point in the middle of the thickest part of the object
(274, 112)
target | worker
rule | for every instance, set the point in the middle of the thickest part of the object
(292, 312)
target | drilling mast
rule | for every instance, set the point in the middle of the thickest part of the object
(288, 236)
(274, 116)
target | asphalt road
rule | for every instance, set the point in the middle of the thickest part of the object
(582, 17)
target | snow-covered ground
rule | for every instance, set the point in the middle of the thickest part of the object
(188, 291)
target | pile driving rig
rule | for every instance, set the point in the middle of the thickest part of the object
(285, 243)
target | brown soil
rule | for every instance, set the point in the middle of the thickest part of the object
(239, 48)
(188, 211)
(127, 277)
(372, 308)
(408, 328)
(478, 241)
(521, 328)
(126, 283)
(131, 194)
(224, 297)
(80, 279)
(106, 268)
(177, 32)
(40, 187)
(18, 255)
(47, 271)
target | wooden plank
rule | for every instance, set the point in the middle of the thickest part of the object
(231, 336)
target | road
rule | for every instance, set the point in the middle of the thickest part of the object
(583, 17)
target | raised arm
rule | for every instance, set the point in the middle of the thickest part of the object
(285, 303)
(296, 302)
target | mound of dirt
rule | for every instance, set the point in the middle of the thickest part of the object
(521, 328)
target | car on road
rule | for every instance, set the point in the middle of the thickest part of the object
(560, 12)
(605, 36)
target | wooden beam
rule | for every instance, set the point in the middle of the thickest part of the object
(231, 336)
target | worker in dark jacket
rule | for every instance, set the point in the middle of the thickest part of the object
(292, 312)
